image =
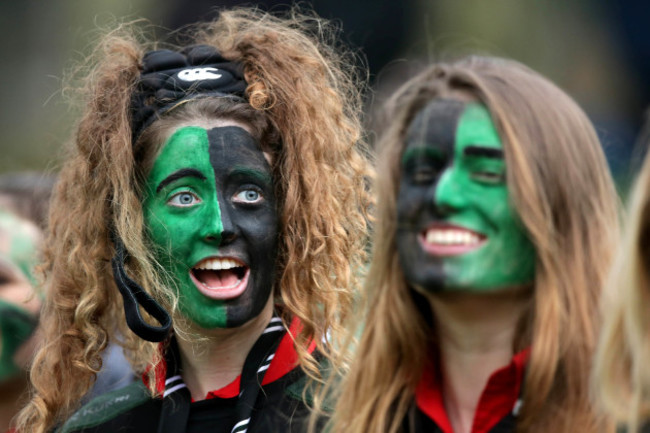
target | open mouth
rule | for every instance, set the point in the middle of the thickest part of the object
(450, 240)
(220, 277)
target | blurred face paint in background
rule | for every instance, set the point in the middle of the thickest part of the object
(211, 214)
(456, 227)
(19, 252)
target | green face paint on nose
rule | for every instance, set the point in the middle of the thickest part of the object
(210, 214)
(457, 229)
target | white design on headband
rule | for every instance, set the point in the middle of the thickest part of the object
(198, 74)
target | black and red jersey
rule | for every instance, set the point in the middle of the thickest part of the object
(496, 411)
(266, 397)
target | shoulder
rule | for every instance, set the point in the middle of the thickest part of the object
(305, 390)
(644, 428)
(107, 407)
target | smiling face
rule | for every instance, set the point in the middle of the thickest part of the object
(456, 228)
(211, 212)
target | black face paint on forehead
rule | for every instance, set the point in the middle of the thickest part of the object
(236, 144)
(436, 124)
(248, 213)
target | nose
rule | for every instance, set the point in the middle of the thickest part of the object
(448, 194)
(219, 227)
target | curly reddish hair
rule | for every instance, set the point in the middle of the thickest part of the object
(305, 90)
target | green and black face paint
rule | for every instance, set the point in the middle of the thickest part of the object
(16, 326)
(19, 243)
(211, 213)
(456, 227)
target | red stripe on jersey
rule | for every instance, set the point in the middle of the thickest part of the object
(284, 360)
(496, 402)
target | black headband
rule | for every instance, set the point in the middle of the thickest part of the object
(171, 77)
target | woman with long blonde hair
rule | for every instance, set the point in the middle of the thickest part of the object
(496, 219)
(621, 373)
(218, 186)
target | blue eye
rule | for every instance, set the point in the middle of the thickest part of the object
(184, 199)
(248, 196)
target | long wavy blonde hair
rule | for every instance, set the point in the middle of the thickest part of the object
(560, 185)
(306, 91)
(621, 372)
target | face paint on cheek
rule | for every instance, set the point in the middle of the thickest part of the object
(427, 154)
(183, 219)
(211, 215)
(499, 253)
(249, 214)
(464, 219)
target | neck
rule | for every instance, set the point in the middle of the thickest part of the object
(476, 334)
(217, 359)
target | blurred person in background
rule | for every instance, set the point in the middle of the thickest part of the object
(622, 368)
(19, 308)
(219, 187)
(24, 204)
(27, 194)
(496, 220)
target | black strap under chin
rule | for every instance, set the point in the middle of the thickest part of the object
(134, 297)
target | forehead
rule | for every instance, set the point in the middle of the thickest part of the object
(214, 152)
(188, 144)
(435, 123)
(476, 128)
(448, 124)
(208, 124)
(233, 144)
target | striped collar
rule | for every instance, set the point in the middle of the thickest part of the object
(276, 365)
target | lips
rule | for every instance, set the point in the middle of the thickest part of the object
(450, 240)
(220, 277)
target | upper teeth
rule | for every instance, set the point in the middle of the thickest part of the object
(217, 264)
(450, 237)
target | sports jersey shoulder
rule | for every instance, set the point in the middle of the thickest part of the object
(304, 389)
(107, 407)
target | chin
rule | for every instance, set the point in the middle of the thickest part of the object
(239, 315)
(431, 281)
(238, 320)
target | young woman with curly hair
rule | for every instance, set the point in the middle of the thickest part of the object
(496, 219)
(219, 187)
(621, 374)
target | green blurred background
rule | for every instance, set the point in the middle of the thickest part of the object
(597, 50)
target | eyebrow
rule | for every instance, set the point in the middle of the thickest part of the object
(486, 152)
(183, 172)
(257, 174)
(421, 151)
